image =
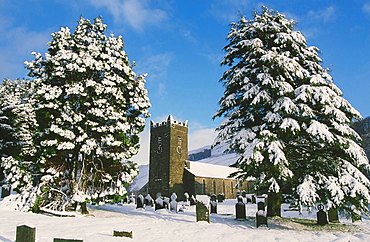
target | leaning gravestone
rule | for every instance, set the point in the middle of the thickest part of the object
(173, 203)
(213, 204)
(166, 203)
(140, 201)
(25, 233)
(240, 209)
(322, 218)
(202, 208)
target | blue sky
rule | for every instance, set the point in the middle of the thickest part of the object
(179, 44)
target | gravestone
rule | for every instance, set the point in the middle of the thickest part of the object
(333, 215)
(4, 192)
(117, 233)
(261, 215)
(220, 197)
(192, 200)
(158, 195)
(240, 209)
(148, 201)
(140, 201)
(202, 208)
(173, 203)
(186, 198)
(25, 233)
(158, 203)
(322, 218)
(131, 198)
(67, 240)
(244, 194)
(166, 203)
(213, 204)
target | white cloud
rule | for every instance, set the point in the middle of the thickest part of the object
(326, 15)
(136, 12)
(157, 67)
(366, 8)
(16, 47)
(200, 138)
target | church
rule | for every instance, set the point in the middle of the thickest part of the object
(170, 171)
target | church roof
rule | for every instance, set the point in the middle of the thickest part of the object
(200, 169)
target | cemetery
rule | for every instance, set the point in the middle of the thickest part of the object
(140, 218)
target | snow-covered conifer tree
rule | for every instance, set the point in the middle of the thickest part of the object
(287, 119)
(17, 157)
(90, 108)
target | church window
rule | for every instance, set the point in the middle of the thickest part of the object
(159, 140)
(179, 140)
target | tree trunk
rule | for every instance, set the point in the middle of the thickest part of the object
(84, 208)
(274, 204)
(333, 215)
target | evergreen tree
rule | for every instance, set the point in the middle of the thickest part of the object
(17, 147)
(90, 108)
(288, 120)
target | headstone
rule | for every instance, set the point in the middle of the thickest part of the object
(249, 198)
(322, 218)
(148, 201)
(25, 233)
(140, 201)
(240, 209)
(117, 233)
(173, 203)
(67, 240)
(333, 215)
(4, 192)
(202, 208)
(186, 198)
(213, 204)
(158, 203)
(182, 209)
(158, 195)
(166, 203)
(192, 200)
(261, 215)
(237, 194)
(131, 198)
(244, 194)
(220, 197)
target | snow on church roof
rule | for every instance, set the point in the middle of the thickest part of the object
(200, 169)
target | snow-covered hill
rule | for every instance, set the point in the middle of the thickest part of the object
(216, 156)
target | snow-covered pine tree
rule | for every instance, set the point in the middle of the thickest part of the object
(16, 159)
(90, 108)
(288, 120)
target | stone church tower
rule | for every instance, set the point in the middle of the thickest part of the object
(168, 153)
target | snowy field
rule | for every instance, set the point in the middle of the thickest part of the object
(162, 225)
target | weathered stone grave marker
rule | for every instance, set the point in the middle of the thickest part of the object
(158, 203)
(220, 197)
(202, 208)
(120, 233)
(131, 198)
(322, 218)
(140, 201)
(240, 209)
(173, 203)
(148, 201)
(261, 215)
(67, 240)
(213, 204)
(192, 200)
(25, 233)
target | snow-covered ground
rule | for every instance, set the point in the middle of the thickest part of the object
(162, 225)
